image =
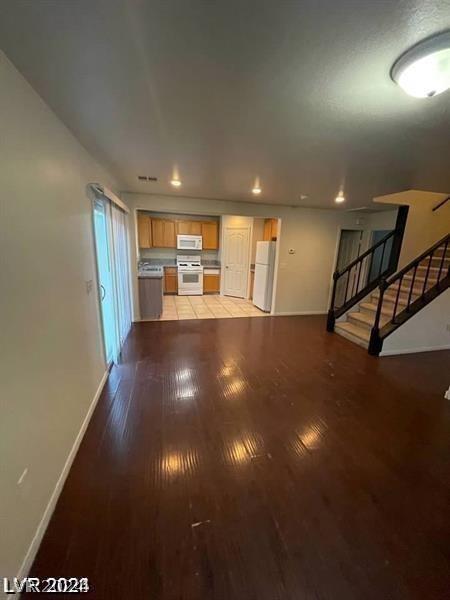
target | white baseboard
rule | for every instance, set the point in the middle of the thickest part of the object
(34, 546)
(414, 350)
(302, 313)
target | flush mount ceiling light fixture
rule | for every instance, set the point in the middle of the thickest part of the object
(340, 197)
(423, 71)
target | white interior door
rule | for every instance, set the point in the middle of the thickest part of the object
(236, 253)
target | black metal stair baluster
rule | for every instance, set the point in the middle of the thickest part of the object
(346, 287)
(375, 342)
(331, 318)
(442, 260)
(359, 276)
(396, 299)
(427, 274)
(382, 259)
(412, 287)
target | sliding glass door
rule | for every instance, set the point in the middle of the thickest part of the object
(105, 277)
(113, 267)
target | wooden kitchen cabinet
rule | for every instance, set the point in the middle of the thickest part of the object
(210, 234)
(170, 280)
(163, 233)
(189, 227)
(144, 231)
(211, 283)
(270, 230)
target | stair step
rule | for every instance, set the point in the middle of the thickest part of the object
(432, 277)
(366, 319)
(371, 307)
(358, 335)
(423, 269)
(436, 262)
(392, 298)
(361, 319)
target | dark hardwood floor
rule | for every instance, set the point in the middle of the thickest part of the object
(259, 459)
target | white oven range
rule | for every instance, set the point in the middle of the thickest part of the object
(190, 275)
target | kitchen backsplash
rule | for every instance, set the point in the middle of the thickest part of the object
(171, 253)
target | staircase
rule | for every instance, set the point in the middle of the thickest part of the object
(398, 298)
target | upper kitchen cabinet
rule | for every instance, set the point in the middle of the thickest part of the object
(144, 231)
(164, 233)
(189, 227)
(270, 230)
(210, 234)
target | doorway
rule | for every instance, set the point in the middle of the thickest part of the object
(237, 251)
(105, 278)
(381, 257)
(349, 248)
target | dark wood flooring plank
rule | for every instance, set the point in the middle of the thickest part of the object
(259, 459)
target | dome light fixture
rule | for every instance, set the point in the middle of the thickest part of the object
(423, 71)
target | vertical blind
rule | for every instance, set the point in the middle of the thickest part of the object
(121, 274)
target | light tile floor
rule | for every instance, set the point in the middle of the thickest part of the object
(207, 307)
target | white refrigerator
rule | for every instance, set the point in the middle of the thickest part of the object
(264, 269)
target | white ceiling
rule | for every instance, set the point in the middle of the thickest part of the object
(295, 92)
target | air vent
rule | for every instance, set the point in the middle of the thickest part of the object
(147, 178)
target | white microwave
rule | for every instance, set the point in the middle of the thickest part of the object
(189, 242)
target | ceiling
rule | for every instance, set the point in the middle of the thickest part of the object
(297, 93)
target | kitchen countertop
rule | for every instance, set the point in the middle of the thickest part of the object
(171, 262)
(155, 272)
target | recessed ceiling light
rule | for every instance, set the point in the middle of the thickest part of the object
(423, 71)
(303, 197)
(175, 182)
(340, 197)
(256, 187)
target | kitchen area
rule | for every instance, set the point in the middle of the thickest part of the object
(180, 269)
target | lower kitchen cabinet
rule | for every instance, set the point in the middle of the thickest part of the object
(211, 283)
(150, 297)
(170, 280)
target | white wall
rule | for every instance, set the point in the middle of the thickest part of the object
(304, 278)
(427, 330)
(423, 227)
(383, 220)
(52, 355)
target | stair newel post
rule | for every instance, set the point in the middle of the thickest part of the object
(376, 343)
(331, 319)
